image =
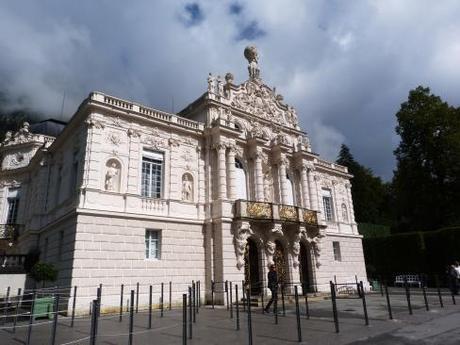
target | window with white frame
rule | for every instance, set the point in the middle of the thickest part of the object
(153, 244)
(13, 205)
(152, 174)
(336, 249)
(327, 205)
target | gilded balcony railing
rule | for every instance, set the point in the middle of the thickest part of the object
(263, 211)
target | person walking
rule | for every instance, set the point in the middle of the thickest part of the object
(273, 286)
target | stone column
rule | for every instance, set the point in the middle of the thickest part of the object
(132, 180)
(283, 182)
(231, 171)
(221, 171)
(259, 177)
(312, 186)
(351, 210)
(304, 183)
(336, 204)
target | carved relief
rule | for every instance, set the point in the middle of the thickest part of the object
(288, 213)
(114, 139)
(310, 217)
(187, 187)
(259, 210)
(270, 247)
(268, 186)
(154, 142)
(112, 175)
(241, 232)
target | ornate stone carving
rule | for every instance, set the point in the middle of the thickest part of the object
(259, 210)
(92, 122)
(241, 232)
(187, 187)
(251, 54)
(173, 142)
(114, 139)
(270, 247)
(268, 186)
(277, 229)
(295, 249)
(112, 175)
(310, 217)
(133, 133)
(288, 213)
(154, 142)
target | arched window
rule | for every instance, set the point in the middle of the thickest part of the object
(344, 213)
(241, 189)
(290, 191)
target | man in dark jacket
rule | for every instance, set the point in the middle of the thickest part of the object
(273, 286)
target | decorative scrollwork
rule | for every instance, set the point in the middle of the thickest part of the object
(259, 210)
(288, 213)
(310, 217)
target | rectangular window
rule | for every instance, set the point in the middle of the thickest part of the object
(13, 206)
(336, 248)
(153, 244)
(152, 174)
(327, 205)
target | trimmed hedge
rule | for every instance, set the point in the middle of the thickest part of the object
(414, 252)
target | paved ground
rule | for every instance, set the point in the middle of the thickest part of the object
(437, 326)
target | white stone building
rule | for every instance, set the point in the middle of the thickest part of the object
(126, 193)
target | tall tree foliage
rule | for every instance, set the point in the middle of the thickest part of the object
(371, 197)
(427, 178)
(11, 120)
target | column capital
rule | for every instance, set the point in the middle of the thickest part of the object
(219, 146)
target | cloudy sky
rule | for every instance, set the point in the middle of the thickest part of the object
(345, 65)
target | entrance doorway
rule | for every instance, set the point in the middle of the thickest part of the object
(305, 268)
(279, 259)
(251, 267)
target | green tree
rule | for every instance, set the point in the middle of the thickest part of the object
(371, 196)
(426, 181)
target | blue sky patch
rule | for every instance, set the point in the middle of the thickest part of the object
(194, 14)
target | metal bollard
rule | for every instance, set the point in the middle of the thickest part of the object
(307, 307)
(363, 297)
(150, 306)
(137, 298)
(249, 318)
(381, 285)
(18, 302)
(237, 309)
(193, 302)
(170, 295)
(297, 312)
(262, 299)
(199, 294)
(242, 295)
(55, 320)
(74, 301)
(282, 300)
(92, 332)
(409, 305)
(226, 292)
(162, 299)
(184, 319)
(453, 299)
(190, 316)
(121, 303)
(212, 293)
(390, 313)
(98, 307)
(439, 292)
(334, 307)
(425, 298)
(231, 301)
(31, 319)
(275, 308)
(131, 319)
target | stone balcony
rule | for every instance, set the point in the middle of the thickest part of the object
(266, 211)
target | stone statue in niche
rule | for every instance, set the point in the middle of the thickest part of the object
(187, 188)
(112, 176)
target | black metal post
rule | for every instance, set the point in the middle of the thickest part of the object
(226, 293)
(31, 319)
(453, 299)
(282, 300)
(307, 307)
(381, 285)
(439, 292)
(212, 293)
(170, 295)
(231, 300)
(150, 306)
(242, 295)
(5, 310)
(193, 301)
(55, 320)
(121, 303)
(131, 319)
(262, 299)
(297, 312)
(390, 313)
(184, 319)
(363, 297)
(237, 306)
(409, 306)
(162, 305)
(18, 302)
(137, 297)
(199, 294)
(74, 301)
(334, 307)
(92, 333)
(190, 316)
(425, 298)
(248, 300)
(96, 309)
(275, 308)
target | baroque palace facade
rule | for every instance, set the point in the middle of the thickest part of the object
(124, 193)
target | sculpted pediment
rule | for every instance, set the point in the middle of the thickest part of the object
(261, 101)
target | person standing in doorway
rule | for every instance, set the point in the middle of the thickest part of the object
(273, 286)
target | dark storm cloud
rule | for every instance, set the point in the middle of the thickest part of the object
(346, 66)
